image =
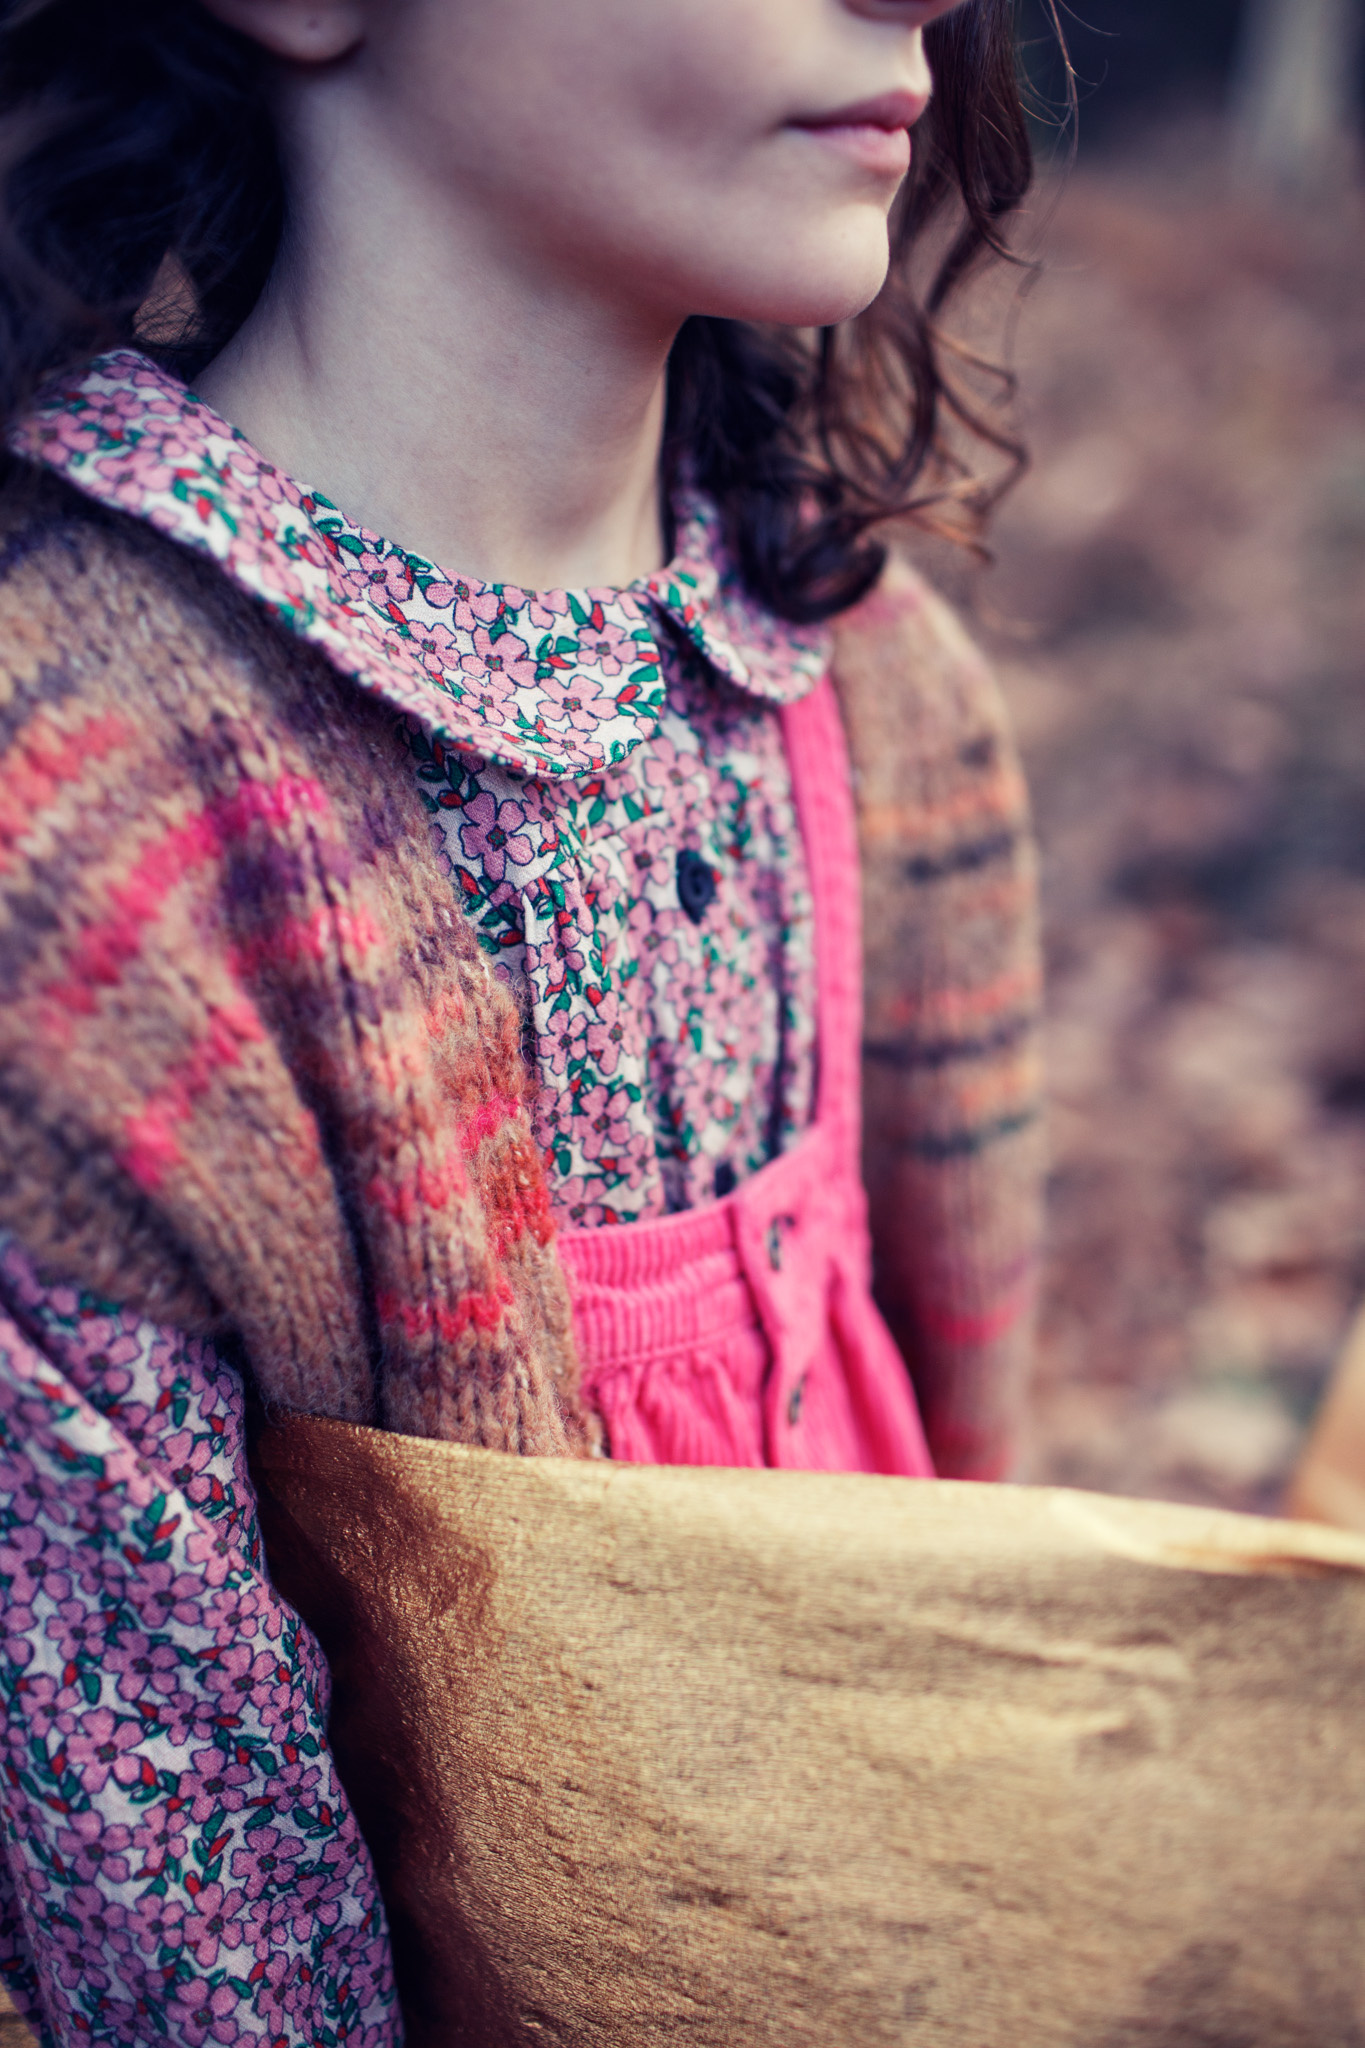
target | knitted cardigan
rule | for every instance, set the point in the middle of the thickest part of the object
(257, 1080)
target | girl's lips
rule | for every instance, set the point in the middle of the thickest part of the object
(875, 133)
(883, 150)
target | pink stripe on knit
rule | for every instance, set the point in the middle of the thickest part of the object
(273, 802)
(150, 1147)
(449, 1320)
(105, 946)
(526, 1213)
(429, 1188)
(490, 1116)
(949, 1008)
(43, 758)
(332, 927)
(1004, 795)
(986, 1324)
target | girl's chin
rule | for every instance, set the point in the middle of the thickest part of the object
(807, 303)
(822, 279)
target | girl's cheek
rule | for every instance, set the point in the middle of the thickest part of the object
(647, 140)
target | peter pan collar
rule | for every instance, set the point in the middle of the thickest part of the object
(552, 683)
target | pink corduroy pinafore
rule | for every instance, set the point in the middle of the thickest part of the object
(744, 1332)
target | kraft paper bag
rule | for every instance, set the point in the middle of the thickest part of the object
(736, 1758)
(13, 2032)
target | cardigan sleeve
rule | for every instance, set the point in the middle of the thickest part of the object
(173, 1838)
(953, 1155)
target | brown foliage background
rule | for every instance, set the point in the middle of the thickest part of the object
(1178, 611)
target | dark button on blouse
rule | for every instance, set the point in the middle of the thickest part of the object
(696, 884)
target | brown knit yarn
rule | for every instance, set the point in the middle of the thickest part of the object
(953, 1150)
(255, 1074)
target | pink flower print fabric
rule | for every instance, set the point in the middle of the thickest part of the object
(130, 435)
(690, 1043)
(179, 1861)
(493, 833)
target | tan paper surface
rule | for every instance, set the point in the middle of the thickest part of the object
(13, 2032)
(733, 1758)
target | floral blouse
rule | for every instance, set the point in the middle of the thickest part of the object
(606, 782)
(179, 1863)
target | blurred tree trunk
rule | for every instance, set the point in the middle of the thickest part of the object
(1294, 95)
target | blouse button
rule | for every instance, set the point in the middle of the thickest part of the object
(696, 884)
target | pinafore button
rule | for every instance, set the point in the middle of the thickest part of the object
(777, 1231)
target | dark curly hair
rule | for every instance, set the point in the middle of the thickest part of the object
(135, 133)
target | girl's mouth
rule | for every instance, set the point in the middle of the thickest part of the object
(874, 133)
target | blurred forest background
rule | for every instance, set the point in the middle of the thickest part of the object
(1178, 614)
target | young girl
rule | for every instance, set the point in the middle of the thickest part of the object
(428, 892)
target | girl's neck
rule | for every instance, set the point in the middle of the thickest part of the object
(474, 402)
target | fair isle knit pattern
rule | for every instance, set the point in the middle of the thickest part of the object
(255, 1073)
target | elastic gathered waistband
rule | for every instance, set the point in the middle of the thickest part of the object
(652, 1289)
(657, 1248)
